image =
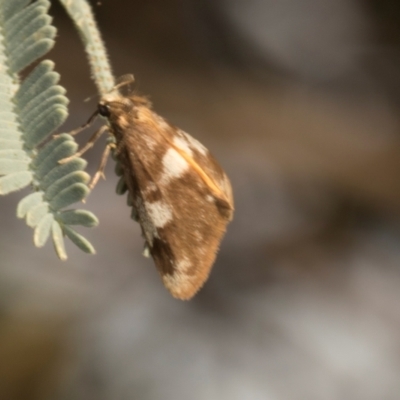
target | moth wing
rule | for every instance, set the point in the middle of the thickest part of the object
(186, 247)
(184, 200)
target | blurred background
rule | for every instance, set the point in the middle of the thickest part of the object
(299, 101)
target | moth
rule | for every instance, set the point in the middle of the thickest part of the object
(182, 197)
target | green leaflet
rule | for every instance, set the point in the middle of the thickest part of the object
(40, 79)
(30, 112)
(11, 7)
(35, 214)
(50, 121)
(13, 182)
(121, 186)
(66, 182)
(12, 154)
(134, 214)
(48, 149)
(21, 58)
(29, 29)
(70, 195)
(11, 144)
(7, 117)
(58, 240)
(60, 171)
(12, 166)
(129, 200)
(118, 169)
(28, 202)
(78, 217)
(65, 149)
(41, 106)
(10, 134)
(79, 240)
(30, 108)
(42, 230)
(19, 19)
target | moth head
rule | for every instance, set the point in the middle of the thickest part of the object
(114, 100)
(103, 109)
(113, 104)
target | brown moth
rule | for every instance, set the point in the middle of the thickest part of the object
(182, 197)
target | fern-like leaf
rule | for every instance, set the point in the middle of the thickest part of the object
(30, 111)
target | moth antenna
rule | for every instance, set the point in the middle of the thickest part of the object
(91, 97)
(123, 80)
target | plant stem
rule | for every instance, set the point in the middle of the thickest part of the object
(83, 18)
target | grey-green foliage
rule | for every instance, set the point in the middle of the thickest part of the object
(30, 111)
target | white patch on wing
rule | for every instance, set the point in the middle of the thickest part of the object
(174, 165)
(150, 187)
(183, 265)
(183, 144)
(146, 251)
(195, 144)
(159, 212)
(209, 198)
(180, 284)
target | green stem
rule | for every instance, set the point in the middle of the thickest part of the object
(83, 18)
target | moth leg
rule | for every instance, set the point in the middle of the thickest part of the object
(118, 148)
(87, 146)
(85, 125)
(100, 171)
